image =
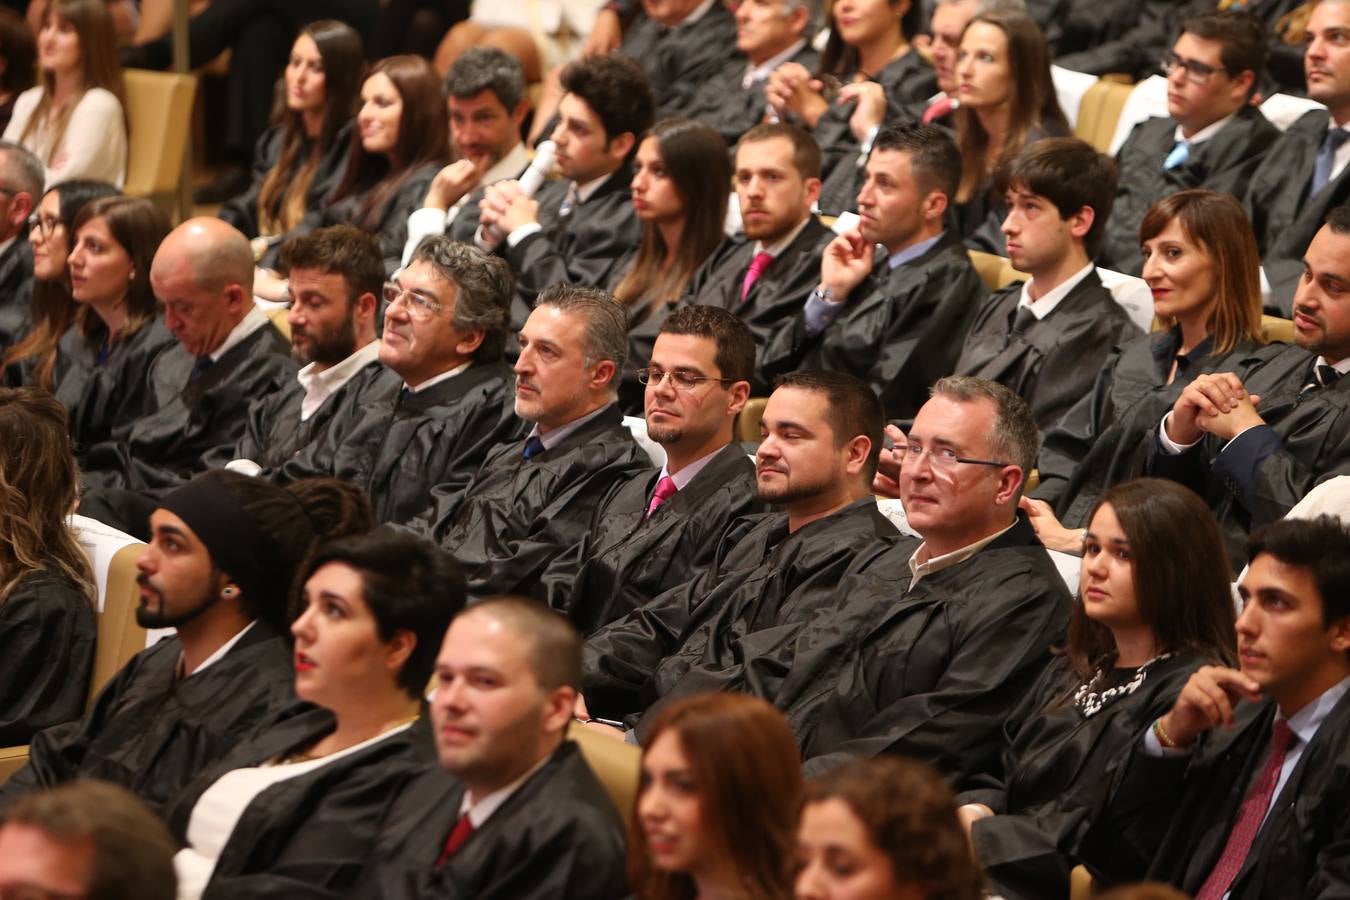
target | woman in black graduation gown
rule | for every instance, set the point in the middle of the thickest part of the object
(1154, 604)
(300, 159)
(717, 801)
(680, 187)
(294, 812)
(46, 585)
(1202, 264)
(103, 360)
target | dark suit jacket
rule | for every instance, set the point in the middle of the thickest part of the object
(16, 290)
(728, 108)
(679, 60)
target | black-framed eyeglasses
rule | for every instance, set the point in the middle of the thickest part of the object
(940, 458)
(44, 225)
(417, 303)
(682, 380)
(1196, 71)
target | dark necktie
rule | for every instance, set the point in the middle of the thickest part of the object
(1326, 159)
(1020, 321)
(200, 366)
(533, 447)
(458, 835)
(1323, 376)
(1250, 816)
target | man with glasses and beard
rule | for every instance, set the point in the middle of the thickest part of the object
(219, 568)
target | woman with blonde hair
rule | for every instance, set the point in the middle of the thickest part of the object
(74, 119)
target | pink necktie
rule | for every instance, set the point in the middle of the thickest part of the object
(757, 267)
(939, 109)
(665, 489)
(1250, 816)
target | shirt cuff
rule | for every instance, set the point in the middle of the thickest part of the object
(522, 233)
(1153, 747)
(1169, 446)
(820, 313)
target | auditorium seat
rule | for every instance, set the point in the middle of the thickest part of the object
(615, 763)
(747, 423)
(995, 271)
(159, 117)
(1275, 328)
(1099, 113)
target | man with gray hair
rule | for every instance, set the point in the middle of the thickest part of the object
(533, 498)
(442, 402)
(485, 91)
(21, 182)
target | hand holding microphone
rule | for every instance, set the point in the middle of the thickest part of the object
(502, 200)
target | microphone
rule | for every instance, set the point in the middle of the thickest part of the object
(529, 182)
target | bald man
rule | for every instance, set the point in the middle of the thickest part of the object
(228, 355)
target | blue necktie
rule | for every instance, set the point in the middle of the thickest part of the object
(1326, 159)
(1181, 151)
(533, 447)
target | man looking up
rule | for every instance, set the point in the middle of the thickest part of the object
(1045, 339)
(655, 531)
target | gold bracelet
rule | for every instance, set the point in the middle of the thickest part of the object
(1163, 737)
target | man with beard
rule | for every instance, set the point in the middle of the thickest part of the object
(219, 568)
(655, 531)
(514, 812)
(1254, 449)
(336, 276)
(820, 440)
(762, 276)
(533, 498)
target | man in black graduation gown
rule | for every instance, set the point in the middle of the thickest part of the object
(487, 102)
(924, 653)
(1253, 459)
(533, 498)
(1303, 176)
(768, 34)
(658, 530)
(681, 44)
(443, 401)
(336, 276)
(1046, 338)
(228, 355)
(219, 566)
(898, 321)
(821, 436)
(513, 812)
(576, 228)
(21, 182)
(1213, 137)
(1240, 790)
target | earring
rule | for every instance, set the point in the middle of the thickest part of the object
(227, 593)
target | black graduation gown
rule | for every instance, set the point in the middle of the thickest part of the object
(556, 837)
(466, 222)
(392, 224)
(399, 447)
(46, 654)
(516, 514)
(928, 672)
(901, 330)
(1103, 439)
(152, 732)
(241, 211)
(1169, 818)
(1135, 50)
(1224, 163)
(1284, 217)
(1259, 477)
(312, 835)
(626, 558)
(909, 80)
(1056, 769)
(763, 577)
(722, 104)
(185, 418)
(679, 60)
(1054, 362)
(16, 292)
(103, 399)
(582, 247)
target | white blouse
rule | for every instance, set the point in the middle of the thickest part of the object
(94, 145)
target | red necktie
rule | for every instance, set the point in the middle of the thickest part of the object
(757, 267)
(458, 835)
(665, 489)
(1250, 816)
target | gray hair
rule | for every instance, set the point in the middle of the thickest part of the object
(487, 69)
(24, 171)
(606, 334)
(1014, 438)
(484, 286)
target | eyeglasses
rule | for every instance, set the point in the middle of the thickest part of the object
(942, 459)
(418, 304)
(43, 225)
(1196, 71)
(682, 380)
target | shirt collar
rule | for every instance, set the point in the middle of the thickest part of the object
(698, 12)
(509, 166)
(560, 434)
(219, 654)
(585, 191)
(755, 74)
(947, 560)
(1307, 720)
(437, 379)
(689, 472)
(481, 811)
(250, 323)
(913, 251)
(319, 385)
(1341, 367)
(783, 242)
(1205, 133)
(1052, 298)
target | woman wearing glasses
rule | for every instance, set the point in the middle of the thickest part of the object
(1201, 262)
(32, 360)
(103, 360)
(1146, 617)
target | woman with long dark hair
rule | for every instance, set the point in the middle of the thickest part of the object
(1146, 617)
